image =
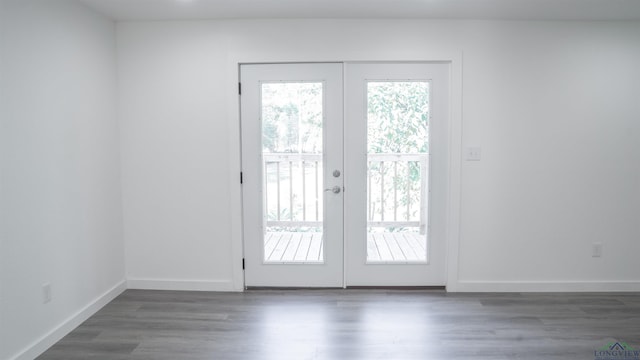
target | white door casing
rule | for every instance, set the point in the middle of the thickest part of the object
(345, 212)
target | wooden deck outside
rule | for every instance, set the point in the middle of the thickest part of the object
(399, 246)
(306, 247)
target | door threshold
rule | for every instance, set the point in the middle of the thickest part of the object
(291, 288)
(369, 287)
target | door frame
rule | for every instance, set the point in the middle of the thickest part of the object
(454, 134)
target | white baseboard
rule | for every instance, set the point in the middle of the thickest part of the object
(42, 344)
(545, 286)
(181, 285)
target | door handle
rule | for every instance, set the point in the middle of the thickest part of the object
(336, 189)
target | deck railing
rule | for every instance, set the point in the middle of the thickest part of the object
(397, 190)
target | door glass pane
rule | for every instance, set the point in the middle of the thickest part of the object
(292, 165)
(397, 176)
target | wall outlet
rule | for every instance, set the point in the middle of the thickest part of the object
(46, 293)
(596, 250)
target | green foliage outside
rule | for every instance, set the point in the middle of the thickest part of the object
(398, 123)
(292, 117)
(398, 117)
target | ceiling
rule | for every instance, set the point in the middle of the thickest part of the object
(124, 10)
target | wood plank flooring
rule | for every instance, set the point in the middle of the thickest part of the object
(306, 247)
(353, 324)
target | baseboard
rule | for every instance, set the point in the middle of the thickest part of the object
(545, 286)
(41, 345)
(181, 285)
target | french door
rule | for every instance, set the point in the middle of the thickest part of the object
(339, 176)
(396, 186)
(292, 151)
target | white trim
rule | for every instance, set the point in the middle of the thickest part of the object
(181, 285)
(547, 286)
(455, 140)
(455, 172)
(235, 166)
(56, 334)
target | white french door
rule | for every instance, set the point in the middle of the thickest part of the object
(292, 150)
(349, 195)
(396, 184)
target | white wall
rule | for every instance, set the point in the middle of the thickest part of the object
(175, 157)
(553, 105)
(555, 108)
(60, 185)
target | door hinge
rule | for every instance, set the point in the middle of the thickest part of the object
(242, 263)
(239, 88)
(241, 180)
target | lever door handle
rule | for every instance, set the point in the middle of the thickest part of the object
(336, 189)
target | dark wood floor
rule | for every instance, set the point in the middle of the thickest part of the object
(353, 324)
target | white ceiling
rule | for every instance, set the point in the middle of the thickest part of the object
(440, 9)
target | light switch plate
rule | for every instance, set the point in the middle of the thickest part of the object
(473, 153)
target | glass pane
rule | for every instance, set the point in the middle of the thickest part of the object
(292, 165)
(397, 159)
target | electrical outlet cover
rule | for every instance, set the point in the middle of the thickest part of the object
(46, 293)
